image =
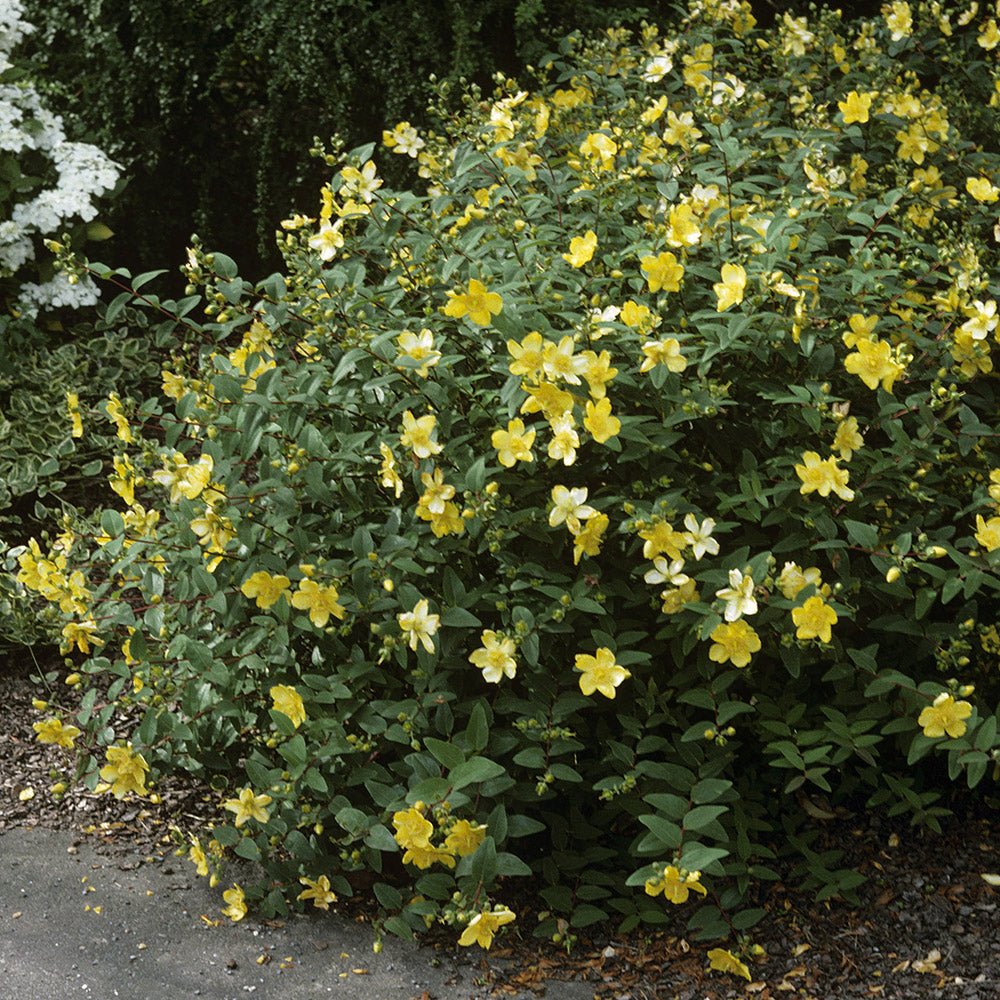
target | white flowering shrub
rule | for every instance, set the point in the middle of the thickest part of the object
(48, 186)
(604, 513)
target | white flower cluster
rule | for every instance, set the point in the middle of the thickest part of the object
(12, 29)
(82, 173)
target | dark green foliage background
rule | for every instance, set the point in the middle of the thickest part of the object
(211, 105)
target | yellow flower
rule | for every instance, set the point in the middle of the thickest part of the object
(981, 189)
(420, 624)
(662, 539)
(587, 541)
(436, 492)
(600, 672)
(598, 372)
(81, 635)
(945, 716)
(403, 139)
(734, 643)
(569, 507)
(739, 596)
(266, 589)
(675, 599)
(724, 961)
(988, 532)
(581, 249)
(328, 240)
(53, 731)
(113, 408)
(248, 806)
(361, 183)
(848, 438)
(822, 476)
(855, 107)
(197, 857)
(680, 130)
(898, 19)
(318, 891)
(794, 579)
(123, 480)
(125, 771)
(674, 886)
(183, 479)
(662, 272)
(236, 907)
(418, 435)
(548, 399)
(419, 347)
(729, 291)
(982, 319)
(636, 315)
(663, 352)
(465, 837)
(599, 421)
(319, 601)
(477, 303)
(448, 522)
(814, 619)
(412, 829)
(873, 363)
(682, 227)
(565, 440)
(861, 329)
(289, 702)
(559, 362)
(73, 409)
(989, 39)
(483, 926)
(495, 657)
(388, 476)
(425, 855)
(528, 355)
(600, 150)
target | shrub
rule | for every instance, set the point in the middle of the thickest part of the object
(606, 512)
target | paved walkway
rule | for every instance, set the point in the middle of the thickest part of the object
(74, 923)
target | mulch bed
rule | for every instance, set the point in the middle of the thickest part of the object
(928, 925)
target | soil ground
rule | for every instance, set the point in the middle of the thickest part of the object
(87, 881)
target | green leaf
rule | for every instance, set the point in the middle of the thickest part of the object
(477, 733)
(459, 618)
(701, 816)
(354, 821)
(667, 833)
(511, 865)
(446, 754)
(388, 896)
(586, 915)
(247, 848)
(861, 534)
(474, 771)
(709, 789)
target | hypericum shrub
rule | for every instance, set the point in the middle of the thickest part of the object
(48, 186)
(608, 512)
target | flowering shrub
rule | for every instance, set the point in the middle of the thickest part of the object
(48, 185)
(606, 513)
